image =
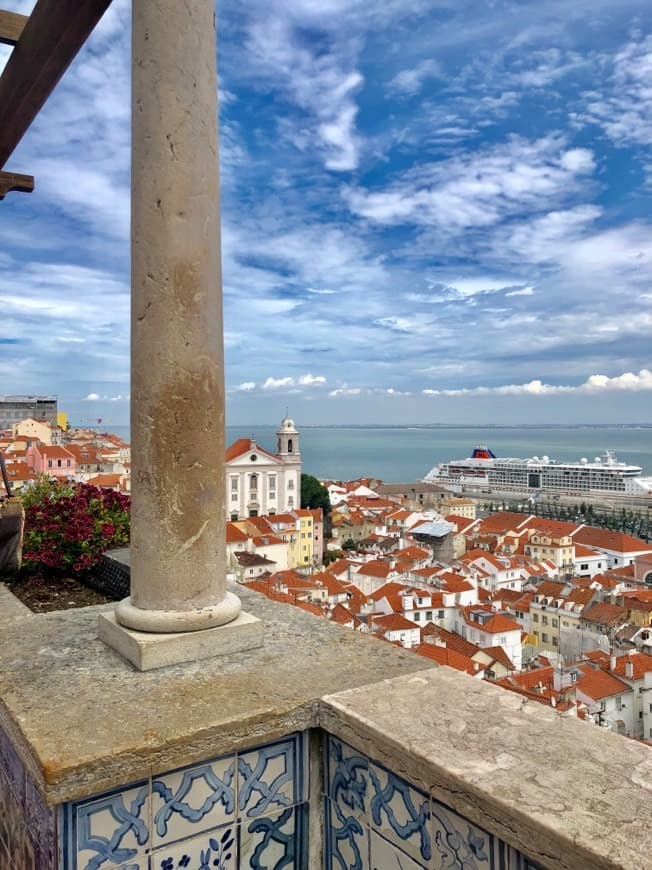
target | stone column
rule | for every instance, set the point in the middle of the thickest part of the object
(178, 549)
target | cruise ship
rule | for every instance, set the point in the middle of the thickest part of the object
(483, 472)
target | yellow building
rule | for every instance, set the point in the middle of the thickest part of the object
(559, 549)
(39, 430)
(459, 507)
(62, 420)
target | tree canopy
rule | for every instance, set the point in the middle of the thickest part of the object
(314, 494)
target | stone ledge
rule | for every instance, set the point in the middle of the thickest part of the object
(12, 607)
(565, 793)
(83, 720)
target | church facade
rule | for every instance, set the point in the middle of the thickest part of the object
(259, 482)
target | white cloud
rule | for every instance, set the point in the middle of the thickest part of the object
(288, 382)
(478, 189)
(409, 82)
(627, 382)
(320, 83)
(92, 397)
(345, 391)
(526, 291)
(245, 387)
(623, 107)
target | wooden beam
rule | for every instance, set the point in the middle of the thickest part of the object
(13, 181)
(11, 26)
(53, 35)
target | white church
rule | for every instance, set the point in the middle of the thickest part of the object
(259, 482)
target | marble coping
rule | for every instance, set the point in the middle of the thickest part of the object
(565, 793)
(83, 720)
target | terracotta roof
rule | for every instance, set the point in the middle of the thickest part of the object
(393, 622)
(496, 623)
(598, 684)
(251, 560)
(449, 658)
(640, 665)
(375, 568)
(605, 613)
(234, 535)
(246, 445)
(605, 539)
(499, 655)
(342, 616)
(451, 640)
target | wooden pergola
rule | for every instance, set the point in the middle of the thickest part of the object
(44, 45)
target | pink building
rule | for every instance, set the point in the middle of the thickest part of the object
(54, 461)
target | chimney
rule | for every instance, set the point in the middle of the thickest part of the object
(629, 669)
(612, 662)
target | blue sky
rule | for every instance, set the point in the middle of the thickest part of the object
(432, 212)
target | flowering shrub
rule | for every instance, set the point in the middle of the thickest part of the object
(69, 525)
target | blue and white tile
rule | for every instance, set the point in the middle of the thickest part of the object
(194, 799)
(509, 858)
(212, 850)
(347, 778)
(387, 856)
(458, 842)
(400, 813)
(12, 766)
(279, 840)
(272, 777)
(346, 840)
(108, 831)
(41, 822)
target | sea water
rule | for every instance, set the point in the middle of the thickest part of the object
(405, 454)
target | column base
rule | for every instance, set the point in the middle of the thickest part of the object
(148, 651)
(176, 621)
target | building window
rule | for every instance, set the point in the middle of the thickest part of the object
(428, 614)
(555, 641)
(584, 567)
(253, 482)
(290, 484)
(49, 463)
(234, 484)
(290, 445)
(544, 637)
(544, 620)
(234, 517)
(417, 617)
(290, 502)
(555, 622)
(272, 486)
(68, 463)
(440, 614)
(535, 617)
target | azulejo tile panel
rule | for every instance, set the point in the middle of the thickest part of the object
(213, 850)
(27, 826)
(276, 841)
(375, 819)
(272, 776)
(240, 810)
(188, 801)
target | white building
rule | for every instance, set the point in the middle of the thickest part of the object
(259, 482)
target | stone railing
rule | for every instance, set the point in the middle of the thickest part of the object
(323, 748)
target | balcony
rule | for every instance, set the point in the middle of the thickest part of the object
(290, 756)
